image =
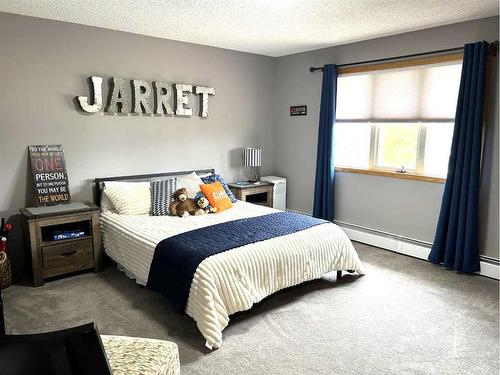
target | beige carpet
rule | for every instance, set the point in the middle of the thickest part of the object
(406, 316)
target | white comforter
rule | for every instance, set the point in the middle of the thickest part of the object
(234, 280)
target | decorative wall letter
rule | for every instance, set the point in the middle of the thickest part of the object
(141, 91)
(118, 102)
(204, 92)
(163, 94)
(182, 107)
(96, 95)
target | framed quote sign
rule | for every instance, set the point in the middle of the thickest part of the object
(50, 178)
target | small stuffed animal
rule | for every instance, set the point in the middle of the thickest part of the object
(182, 205)
(203, 203)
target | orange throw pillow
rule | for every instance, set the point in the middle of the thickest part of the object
(216, 196)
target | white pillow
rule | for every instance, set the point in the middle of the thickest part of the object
(191, 182)
(106, 204)
(129, 198)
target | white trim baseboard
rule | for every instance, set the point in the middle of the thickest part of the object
(406, 246)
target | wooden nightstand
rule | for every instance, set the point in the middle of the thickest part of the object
(259, 193)
(51, 257)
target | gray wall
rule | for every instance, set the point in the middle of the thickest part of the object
(44, 64)
(402, 207)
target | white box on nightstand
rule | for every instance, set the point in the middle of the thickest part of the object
(279, 191)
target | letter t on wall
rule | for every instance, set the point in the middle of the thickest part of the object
(204, 92)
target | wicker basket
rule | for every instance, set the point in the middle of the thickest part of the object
(5, 271)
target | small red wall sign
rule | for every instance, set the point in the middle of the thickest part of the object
(298, 110)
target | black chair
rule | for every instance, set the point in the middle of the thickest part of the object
(73, 351)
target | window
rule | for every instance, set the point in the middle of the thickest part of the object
(397, 117)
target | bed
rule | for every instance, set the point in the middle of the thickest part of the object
(233, 280)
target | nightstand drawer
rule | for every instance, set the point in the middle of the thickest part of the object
(67, 257)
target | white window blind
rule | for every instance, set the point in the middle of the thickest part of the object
(419, 93)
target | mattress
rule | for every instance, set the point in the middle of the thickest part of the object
(234, 280)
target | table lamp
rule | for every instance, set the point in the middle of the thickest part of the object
(252, 157)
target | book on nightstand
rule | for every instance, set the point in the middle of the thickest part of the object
(66, 235)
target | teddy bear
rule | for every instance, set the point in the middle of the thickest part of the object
(182, 205)
(203, 203)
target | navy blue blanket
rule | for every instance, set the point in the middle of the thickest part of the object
(176, 258)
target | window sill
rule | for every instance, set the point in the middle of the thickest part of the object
(391, 174)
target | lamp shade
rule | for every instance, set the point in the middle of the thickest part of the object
(252, 157)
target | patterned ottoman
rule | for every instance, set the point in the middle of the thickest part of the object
(138, 356)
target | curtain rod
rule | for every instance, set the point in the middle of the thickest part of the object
(493, 48)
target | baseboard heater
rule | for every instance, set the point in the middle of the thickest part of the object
(490, 267)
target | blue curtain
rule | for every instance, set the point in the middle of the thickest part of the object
(324, 187)
(456, 243)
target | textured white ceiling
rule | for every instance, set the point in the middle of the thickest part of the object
(267, 27)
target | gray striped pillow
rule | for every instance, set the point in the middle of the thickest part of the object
(161, 196)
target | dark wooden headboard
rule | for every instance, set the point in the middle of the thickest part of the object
(99, 182)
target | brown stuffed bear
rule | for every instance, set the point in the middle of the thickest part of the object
(182, 205)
